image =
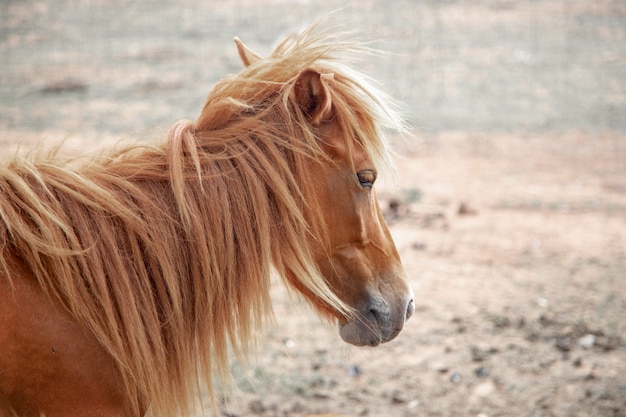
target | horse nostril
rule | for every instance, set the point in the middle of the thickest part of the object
(410, 309)
(375, 314)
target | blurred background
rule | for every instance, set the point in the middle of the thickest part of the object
(508, 207)
(483, 65)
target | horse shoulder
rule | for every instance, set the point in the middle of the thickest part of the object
(49, 363)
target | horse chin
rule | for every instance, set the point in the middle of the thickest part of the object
(358, 333)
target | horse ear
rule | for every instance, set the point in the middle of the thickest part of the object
(313, 97)
(247, 56)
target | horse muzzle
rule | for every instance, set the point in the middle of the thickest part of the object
(378, 320)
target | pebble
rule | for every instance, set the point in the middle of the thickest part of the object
(542, 302)
(419, 246)
(397, 398)
(256, 406)
(587, 341)
(442, 368)
(479, 354)
(564, 344)
(481, 372)
(355, 370)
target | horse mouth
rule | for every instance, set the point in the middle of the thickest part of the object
(377, 321)
(364, 333)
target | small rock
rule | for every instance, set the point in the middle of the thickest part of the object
(479, 355)
(466, 210)
(394, 206)
(441, 368)
(563, 344)
(355, 370)
(455, 377)
(256, 406)
(481, 372)
(542, 302)
(420, 246)
(397, 398)
(587, 341)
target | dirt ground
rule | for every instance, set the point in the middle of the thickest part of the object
(516, 248)
(508, 205)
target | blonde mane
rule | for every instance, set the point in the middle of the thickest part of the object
(164, 252)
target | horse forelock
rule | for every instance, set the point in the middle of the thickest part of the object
(175, 243)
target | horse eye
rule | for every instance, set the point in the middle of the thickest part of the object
(366, 178)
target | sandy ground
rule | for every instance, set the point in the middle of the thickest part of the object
(508, 207)
(516, 248)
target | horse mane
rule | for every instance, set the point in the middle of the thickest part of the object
(164, 252)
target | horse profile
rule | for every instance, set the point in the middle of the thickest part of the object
(127, 277)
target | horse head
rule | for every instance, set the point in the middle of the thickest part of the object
(352, 245)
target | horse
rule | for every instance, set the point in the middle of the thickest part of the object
(129, 277)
